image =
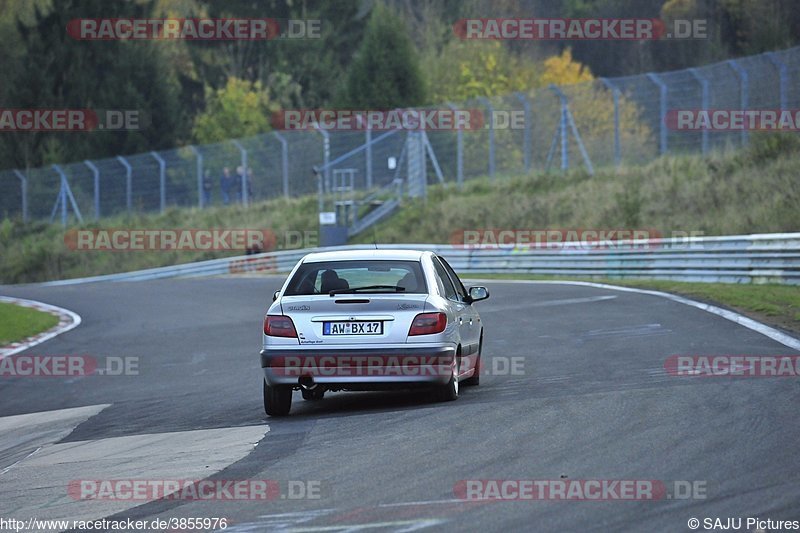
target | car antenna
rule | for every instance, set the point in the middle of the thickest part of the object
(374, 238)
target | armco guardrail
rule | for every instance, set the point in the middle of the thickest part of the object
(767, 258)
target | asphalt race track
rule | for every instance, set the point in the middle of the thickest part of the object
(590, 400)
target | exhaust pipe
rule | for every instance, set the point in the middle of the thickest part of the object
(307, 382)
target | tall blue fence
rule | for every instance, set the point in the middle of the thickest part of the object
(598, 124)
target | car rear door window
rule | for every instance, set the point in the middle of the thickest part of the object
(445, 285)
(462, 292)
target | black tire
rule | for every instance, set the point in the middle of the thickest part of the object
(277, 400)
(449, 392)
(313, 395)
(475, 379)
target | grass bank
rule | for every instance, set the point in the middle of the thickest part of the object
(37, 251)
(751, 191)
(17, 323)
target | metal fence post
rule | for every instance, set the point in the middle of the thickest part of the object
(368, 139)
(490, 108)
(662, 111)
(320, 194)
(326, 155)
(23, 184)
(432, 156)
(744, 94)
(526, 133)
(242, 150)
(586, 160)
(62, 197)
(617, 143)
(783, 72)
(201, 201)
(96, 173)
(128, 182)
(562, 126)
(64, 194)
(284, 162)
(459, 152)
(368, 143)
(568, 121)
(704, 104)
(564, 140)
(162, 181)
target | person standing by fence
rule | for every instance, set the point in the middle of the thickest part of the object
(250, 196)
(225, 184)
(207, 188)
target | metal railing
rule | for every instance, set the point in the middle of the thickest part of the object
(596, 124)
(765, 258)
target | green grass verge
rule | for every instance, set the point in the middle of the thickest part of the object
(751, 191)
(778, 305)
(36, 251)
(17, 323)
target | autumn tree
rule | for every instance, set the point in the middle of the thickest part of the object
(240, 109)
(470, 69)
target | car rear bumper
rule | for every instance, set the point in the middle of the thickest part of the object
(359, 368)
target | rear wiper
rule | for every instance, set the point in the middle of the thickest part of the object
(351, 290)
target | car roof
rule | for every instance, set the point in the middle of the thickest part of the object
(369, 254)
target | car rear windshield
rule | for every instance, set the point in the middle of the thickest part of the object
(374, 276)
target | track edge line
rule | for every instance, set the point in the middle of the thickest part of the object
(749, 323)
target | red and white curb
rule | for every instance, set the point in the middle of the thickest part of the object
(67, 320)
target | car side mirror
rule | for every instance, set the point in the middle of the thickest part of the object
(477, 294)
(275, 295)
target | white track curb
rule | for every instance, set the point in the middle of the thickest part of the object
(742, 320)
(67, 320)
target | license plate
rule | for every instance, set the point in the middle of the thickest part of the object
(360, 327)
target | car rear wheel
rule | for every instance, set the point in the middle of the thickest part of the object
(449, 392)
(277, 400)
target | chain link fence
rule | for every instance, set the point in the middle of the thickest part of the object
(603, 123)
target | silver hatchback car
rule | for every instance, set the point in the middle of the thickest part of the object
(370, 320)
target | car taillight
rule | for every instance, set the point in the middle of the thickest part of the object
(279, 326)
(428, 323)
